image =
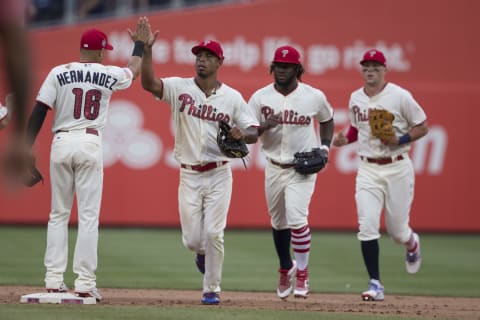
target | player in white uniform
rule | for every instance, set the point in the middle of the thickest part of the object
(385, 178)
(288, 111)
(79, 93)
(205, 189)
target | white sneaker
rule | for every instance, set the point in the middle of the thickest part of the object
(413, 260)
(302, 289)
(376, 292)
(285, 285)
(89, 294)
(62, 288)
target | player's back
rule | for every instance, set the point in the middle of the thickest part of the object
(80, 93)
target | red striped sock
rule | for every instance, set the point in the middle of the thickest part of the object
(301, 239)
(414, 248)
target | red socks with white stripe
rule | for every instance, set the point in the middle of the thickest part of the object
(301, 239)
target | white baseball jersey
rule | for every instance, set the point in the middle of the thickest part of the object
(299, 110)
(3, 112)
(80, 93)
(396, 100)
(196, 118)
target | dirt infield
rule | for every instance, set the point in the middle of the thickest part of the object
(405, 306)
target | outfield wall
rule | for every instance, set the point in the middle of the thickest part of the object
(432, 50)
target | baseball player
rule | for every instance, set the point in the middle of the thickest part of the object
(16, 65)
(79, 94)
(288, 111)
(197, 105)
(385, 178)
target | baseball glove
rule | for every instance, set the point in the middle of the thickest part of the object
(381, 124)
(310, 162)
(33, 175)
(228, 146)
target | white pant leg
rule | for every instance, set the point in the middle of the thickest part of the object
(88, 186)
(62, 182)
(190, 206)
(288, 195)
(298, 194)
(204, 200)
(369, 197)
(276, 180)
(398, 200)
(216, 202)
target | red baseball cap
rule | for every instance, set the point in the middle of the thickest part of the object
(287, 54)
(210, 45)
(94, 39)
(374, 55)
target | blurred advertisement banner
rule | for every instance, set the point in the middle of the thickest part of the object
(431, 50)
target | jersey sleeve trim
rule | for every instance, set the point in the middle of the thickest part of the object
(128, 72)
(45, 104)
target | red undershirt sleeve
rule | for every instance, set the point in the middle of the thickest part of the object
(352, 134)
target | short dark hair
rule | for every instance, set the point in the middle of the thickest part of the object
(300, 69)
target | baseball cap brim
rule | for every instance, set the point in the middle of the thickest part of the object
(197, 49)
(211, 46)
(372, 60)
(286, 54)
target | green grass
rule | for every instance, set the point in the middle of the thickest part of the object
(71, 312)
(156, 258)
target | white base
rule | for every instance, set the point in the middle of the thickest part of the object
(56, 298)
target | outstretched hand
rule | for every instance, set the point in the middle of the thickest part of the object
(152, 38)
(339, 139)
(143, 32)
(272, 121)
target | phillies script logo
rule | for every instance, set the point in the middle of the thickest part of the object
(361, 115)
(288, 116)
(203, 112)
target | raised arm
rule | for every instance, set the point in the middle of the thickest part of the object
(140, 36)
(149, 82)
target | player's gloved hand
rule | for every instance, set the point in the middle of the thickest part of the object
(310, 162)
(230, 141)
(381, 126)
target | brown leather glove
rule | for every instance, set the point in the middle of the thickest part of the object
(381, 124)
